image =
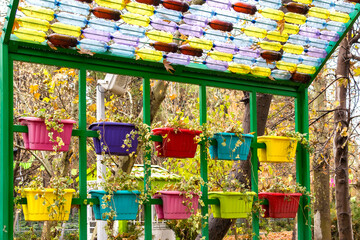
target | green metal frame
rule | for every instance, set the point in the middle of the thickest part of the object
(11, 50)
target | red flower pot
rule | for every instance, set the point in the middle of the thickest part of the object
(37, 137)
(178, 143)
(281, 205)
(175, 205)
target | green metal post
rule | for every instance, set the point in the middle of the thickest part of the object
(6, 145)
(254, 161)
(204, 165)
(9, 21)
(82, 154)
(303, 164)
(147, 165)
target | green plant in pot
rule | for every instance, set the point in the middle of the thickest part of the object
(231, 144)
(281, 146)
(47, 131)
(282, 197)
(117, 194)
(179, 139)
(180, 200)
(235, 200)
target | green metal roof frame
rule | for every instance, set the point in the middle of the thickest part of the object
(12, 50)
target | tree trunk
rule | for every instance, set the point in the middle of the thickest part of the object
(242, 170)
(343, 210)
(322, 218)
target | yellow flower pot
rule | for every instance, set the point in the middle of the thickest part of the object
(278, 149)
(39, 201)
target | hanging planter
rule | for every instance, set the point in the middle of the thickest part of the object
(45, 205)
(232, 204)
(124, 203)
(230, 146)
(281, 205)
(112, 137)
(278, 149)
(177, 143)
(176, 205)
(37, 137)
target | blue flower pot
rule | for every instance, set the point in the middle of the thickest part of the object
(124, 203)
(230, 147)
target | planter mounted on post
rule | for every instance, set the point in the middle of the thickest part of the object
(37, 137)
(232, 204)
(278, 149)
(124, 203)
(281, 205)
(112, 137)
(176, 205)
(177, 143)
(36, 210)
(231, 147)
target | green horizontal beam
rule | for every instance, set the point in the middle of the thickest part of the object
(23, 52)
(156, 138)
(75, 132)
(157, 201)
(214, 201)
(258, 145)
(75, 201)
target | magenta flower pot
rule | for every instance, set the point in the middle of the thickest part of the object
(37, 137)
(175, 205)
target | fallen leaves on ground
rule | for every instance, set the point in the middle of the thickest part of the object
(271, 236)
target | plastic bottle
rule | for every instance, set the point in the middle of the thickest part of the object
(130, 30)
(30, 34)
(274, 46)
(200, 43)
(239, 68)
(220, 25)
(189, 30)
(339, 17)
(66, 29)
(335, 26)
(150, 2)
(165, 47)
(221, 56)
(122, 50)
(249, 52)
(176, 5)
(216, 65)
(222, 4)
(277, 36)
(74, 7)
(301, 78)
(295, 18)
(93, 45)
(122, 39)
(118, 5)
(316, 52)
(168, 14)
(190, 51)
(298, 40)
(275, 4)
(330, 36)
(42, 3)
(297, 8)
(244, 8)
(318, 43)
(255, 32)
(242, 41)
(64, 41)
(344, 7)
(38, 12)
(225, 47)
(280, 74)
(159, 36)
(290, 29)
(135, 19)
(291, 48)
(33, 23)
(106, 13)
(310, 61)
(291, 67)
(260, 62)
(98, 35)
(309, 32)
(323, 3)
(301, 68)
(265, 23)
(215, 35)
(261, 71)
(102, 25)
(201, 10)
(319, 12)
(166, 26)
(71, 19)
(271, 55)
(272, 14)
(315, 23)
(291, 58)
(241, 59)
(140, 8)
(177, 58)
(149, 54)
(195, 20)
(227, 16)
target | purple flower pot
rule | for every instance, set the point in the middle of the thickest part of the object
(112, 137)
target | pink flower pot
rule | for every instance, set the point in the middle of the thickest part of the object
(37, 137)
(175, 205)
